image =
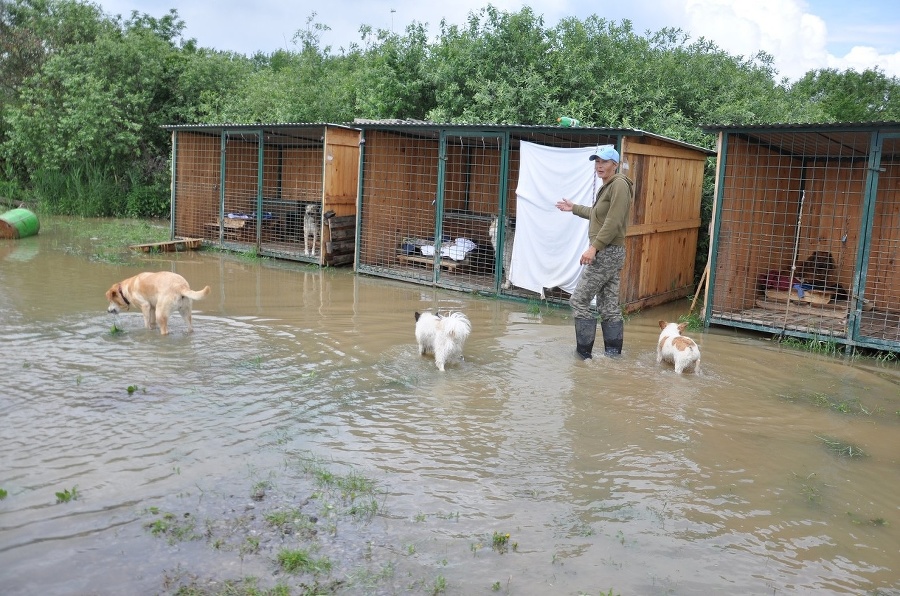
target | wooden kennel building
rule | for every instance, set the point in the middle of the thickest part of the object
(432, 186)
(282, 190)
(806, 232)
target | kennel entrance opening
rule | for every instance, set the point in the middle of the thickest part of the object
(807, 233)
(471, 193)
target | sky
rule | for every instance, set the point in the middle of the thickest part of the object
(801, 35)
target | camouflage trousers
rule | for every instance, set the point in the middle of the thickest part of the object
(600, 279)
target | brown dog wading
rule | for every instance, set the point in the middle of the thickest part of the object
(158, 295)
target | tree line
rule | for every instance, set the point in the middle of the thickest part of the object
(83, 94)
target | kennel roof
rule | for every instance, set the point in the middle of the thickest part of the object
(286, 131)
(811, 139)
(536, 132)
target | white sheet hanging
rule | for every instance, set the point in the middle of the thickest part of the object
(549, 242)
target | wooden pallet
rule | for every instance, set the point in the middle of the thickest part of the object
(448, 264)
(834, 311)
(176, 245)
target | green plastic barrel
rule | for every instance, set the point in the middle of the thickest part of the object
(19, 223)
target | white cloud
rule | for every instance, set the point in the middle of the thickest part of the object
(860, 58)
(796, 38)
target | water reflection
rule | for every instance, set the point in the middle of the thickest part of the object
(608, 474)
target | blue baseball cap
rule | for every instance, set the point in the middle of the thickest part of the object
(606, 152)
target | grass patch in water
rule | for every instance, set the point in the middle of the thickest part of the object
(694, 321)
(842, 448)
(278, 533)
(826, 347)
(175, 529)
(875, 522)
(356, 492)
(301, 561)
(258, 492)
(500, 543)
(108, 241)
(836, 404)
(809, 488)
(67, 495)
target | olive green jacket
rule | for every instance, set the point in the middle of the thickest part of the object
(610, 212)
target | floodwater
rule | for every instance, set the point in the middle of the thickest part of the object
(611, 474)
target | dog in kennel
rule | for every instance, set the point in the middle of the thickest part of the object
(312, 224)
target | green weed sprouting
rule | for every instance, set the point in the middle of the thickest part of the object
(172, 527)
(67, 495)
(694, 321)
(3, 494)
(301, 561)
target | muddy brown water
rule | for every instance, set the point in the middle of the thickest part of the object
(612, 474)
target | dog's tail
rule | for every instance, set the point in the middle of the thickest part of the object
(196, 295)
(457, 325)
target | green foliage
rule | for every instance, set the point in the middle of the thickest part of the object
(3, 494)
(694, 321)
(301, 561)
(172, 527)
(850, 96)
(83, 94)
(67, 495)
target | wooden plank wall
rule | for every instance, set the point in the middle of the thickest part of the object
(301, 174)
(341, 182)
(757, 221)
(196, 182)
(665, 219)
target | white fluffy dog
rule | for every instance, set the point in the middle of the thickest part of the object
(443, 335)
(677, 349)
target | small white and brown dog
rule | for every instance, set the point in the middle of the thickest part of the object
(445, 336)
(675, 348)
(158, 294)
(312, 221)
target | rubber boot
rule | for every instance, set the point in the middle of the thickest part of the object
(585, 331)
(613, 333)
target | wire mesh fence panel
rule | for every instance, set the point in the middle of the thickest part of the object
(196, 185)
(398, 206)
(471, 202)
(242, 222)
(880, 318)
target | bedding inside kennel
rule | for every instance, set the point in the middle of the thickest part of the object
(806, 232)
(472, 208)
(278, 190)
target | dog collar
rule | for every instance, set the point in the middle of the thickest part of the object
(122, 294)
